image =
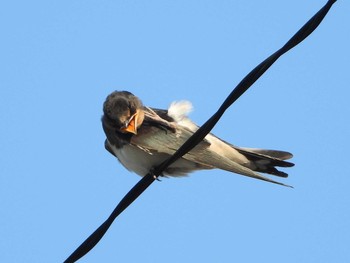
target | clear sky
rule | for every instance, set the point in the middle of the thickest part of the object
(59, 61)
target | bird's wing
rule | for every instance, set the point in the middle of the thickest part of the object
(154, 139)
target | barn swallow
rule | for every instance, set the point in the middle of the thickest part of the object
(142, 138)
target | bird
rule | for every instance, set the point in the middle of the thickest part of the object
(142, 137)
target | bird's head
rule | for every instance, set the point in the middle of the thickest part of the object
(124, 111)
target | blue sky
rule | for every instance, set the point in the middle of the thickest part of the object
(60, 59)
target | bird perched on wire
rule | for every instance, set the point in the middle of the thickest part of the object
(142, 138)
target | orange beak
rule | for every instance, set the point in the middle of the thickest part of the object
(132, 124)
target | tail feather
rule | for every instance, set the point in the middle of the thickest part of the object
(281, 155)
(266, 160)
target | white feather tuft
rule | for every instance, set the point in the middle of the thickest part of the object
(178, 110)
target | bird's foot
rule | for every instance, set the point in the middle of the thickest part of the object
(154, 175)
(154, 119)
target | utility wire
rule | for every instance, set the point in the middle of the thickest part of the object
(199, 135)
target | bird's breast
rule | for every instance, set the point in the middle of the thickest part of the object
(135, 159)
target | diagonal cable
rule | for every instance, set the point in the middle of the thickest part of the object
(199, 135)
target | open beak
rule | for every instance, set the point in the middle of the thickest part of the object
(131, 125)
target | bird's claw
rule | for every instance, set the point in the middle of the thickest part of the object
(155, 177)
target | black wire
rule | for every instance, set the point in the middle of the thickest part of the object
(199, 135)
